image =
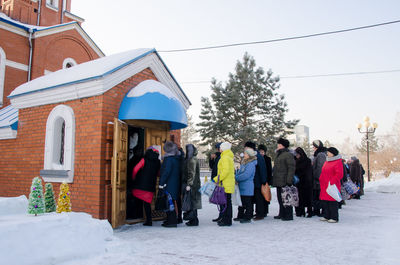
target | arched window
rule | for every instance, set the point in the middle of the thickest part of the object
(2, 74)
(59, 151)
(69, 62)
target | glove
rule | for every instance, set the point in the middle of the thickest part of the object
(187, 188)
(162, 186)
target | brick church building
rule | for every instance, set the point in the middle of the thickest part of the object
(71, 114)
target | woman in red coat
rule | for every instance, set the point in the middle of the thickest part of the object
(332, 172)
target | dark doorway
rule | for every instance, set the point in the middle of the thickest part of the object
(134, 206)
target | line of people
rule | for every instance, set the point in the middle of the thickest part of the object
(180, 171)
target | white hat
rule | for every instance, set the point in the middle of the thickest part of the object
(225, 146)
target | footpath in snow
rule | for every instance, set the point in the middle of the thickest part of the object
(368, 233)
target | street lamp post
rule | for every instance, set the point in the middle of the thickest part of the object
(369, 130)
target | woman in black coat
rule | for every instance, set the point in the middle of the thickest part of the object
(305, 185)
(144, 177)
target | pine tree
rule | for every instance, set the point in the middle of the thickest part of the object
(374, 144)
(36, 199)
(50, 202)
(64, 202)
(247, 107)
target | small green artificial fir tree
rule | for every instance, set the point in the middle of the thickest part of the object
(50, 202)
(36, 199)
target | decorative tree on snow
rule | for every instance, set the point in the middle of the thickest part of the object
(247, 107)
(64, 202)
(36, 199)
(50, 202)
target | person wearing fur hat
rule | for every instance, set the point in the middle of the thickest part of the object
(284, 168)
(245, 180)
(260, 178)
(357, 176)
(318, 162)
(332, 172)
(170, 178)
(262, 149)
(226, 174)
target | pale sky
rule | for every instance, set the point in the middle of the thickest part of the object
(330, 106)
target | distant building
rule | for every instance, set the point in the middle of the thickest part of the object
(302, 133)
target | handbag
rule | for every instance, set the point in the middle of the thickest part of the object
(333, 191)
(161, 201)
(218, 196)
(344, 193)
(350, 187)
(266, 192)
(236, 200)
(208, 188)
(290, 196)
(187, 201)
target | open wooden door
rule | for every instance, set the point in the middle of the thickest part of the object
(118, 173)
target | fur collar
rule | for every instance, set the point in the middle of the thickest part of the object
(334, 158)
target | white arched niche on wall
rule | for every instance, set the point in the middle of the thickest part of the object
(68, 63)
(2, 74)
(59, 153)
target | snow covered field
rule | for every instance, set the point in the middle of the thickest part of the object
(368, 233)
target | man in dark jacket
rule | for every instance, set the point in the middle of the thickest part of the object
(284, 169)
(260, 178)
(262, 149)
(318, 162)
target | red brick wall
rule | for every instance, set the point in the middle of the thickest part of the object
(24, 11)
(22, 159)
(48, 54)
(50, 51)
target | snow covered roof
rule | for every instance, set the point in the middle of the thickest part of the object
(8, 117)
(8, 122)
(81, 72)
(94, 78)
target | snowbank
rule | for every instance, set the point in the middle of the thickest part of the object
(49, 238)
(13, 205)
(390, 184)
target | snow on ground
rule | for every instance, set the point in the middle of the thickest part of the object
(368, 233)
(51, 238)
(390, 184)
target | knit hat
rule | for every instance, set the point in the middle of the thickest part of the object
(250, 152)
(250, 145)
(284, 142)
(225, 146)
(317, 144)
(333, 151)
(262, 147)
(354, 158)
(170, 148)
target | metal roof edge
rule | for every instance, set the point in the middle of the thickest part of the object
(166, 67)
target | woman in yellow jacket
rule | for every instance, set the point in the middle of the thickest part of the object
(226, 173)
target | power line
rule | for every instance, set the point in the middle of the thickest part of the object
(281, 39)
(313, 76)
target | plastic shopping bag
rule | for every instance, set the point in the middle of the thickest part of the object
(236, 200)
(333, 191)
(208, 188)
